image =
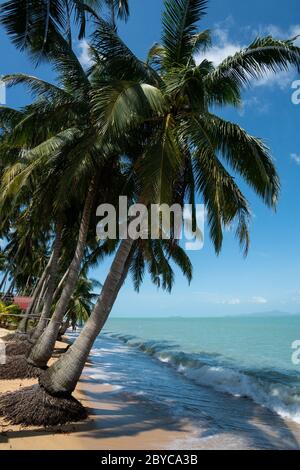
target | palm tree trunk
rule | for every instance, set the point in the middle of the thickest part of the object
(60, 285)
(61, 378)
(63, 328)
(43, 349)
(23, 324)
(10, 288)
(51, 285)
(26, 285)
(40, 301)
(3, 282)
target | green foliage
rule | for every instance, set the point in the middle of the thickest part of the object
(146, 129)
(82, 302)
(9, 315)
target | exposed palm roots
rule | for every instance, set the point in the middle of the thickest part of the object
(17, 367)
(33, 406)
(15, 337)
(18, 348)
(9, 337)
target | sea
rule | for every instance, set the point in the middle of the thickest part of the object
(223, 374)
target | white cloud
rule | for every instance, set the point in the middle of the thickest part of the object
(84, 56)
(226, 299)
(234, 301)
(259, 300)
(277, 32)
(255, 104)
(283, 79)
(295, 158)
(217, 54)
(215, 298)
(224, 47)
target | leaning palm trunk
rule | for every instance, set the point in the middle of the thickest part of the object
(30, 310)
(51, 285)
(61, 378)
(3, 282)
(60, 285)
(41, 352)
(63, 328)
(40, 301)
(19, 368)
(44, 347)
(51, 401)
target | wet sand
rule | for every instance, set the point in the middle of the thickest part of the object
(115, 422)
(120, 421)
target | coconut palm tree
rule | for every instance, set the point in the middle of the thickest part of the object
(178, 102)
(167, 103)
(79, 148)
(81, 304)
(25, 20)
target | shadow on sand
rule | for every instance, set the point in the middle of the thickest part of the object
(214, 419)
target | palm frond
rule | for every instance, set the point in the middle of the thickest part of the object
(179, 257)
(246, 154)
(36, 86)
(120, 62)
(9, 117)
(180, 20)
(118, 106)
(224, 201)
(263, 56)
(161, 164)
(23, 20)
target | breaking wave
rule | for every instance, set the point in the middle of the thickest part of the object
(278, 391)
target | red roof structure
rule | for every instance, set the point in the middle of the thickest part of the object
(23, 302)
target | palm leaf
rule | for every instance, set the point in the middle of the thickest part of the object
(120, 62)
(180, 20)
(119, 106)
(161, 164)
(37, 86)
(263, 56)
(246, 154)
(224, 201)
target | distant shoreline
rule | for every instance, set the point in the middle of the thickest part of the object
(188, 317)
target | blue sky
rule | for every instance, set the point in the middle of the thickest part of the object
(269, 279)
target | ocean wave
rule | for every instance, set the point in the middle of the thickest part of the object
(274, 390)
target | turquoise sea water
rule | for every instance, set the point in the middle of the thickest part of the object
(241, 356)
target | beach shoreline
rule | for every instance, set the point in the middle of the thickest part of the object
(113, 423)
(118, 420)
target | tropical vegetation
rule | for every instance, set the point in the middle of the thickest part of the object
(147, 129)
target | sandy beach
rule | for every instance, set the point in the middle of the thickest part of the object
(115, 422)
(118, 420)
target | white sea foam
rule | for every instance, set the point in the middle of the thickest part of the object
(278, 397)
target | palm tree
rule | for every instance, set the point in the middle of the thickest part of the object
(26, 252)
(166, 102)
(81, 304)
(78, 146)
(118, 8)
(25, 20)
